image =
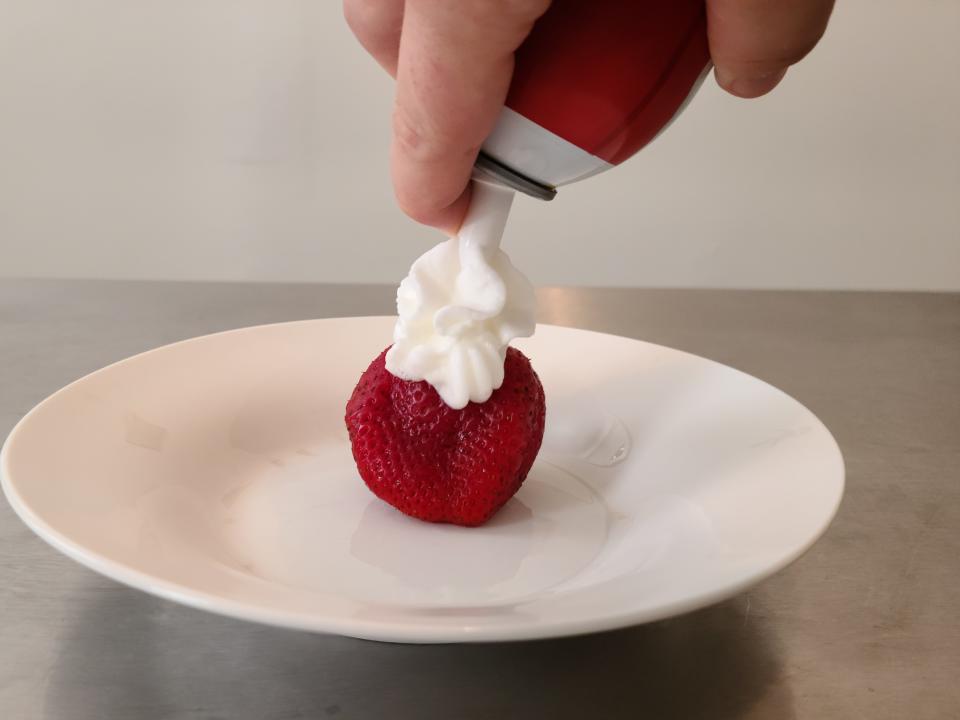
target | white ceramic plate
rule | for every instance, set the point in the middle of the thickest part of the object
(217, 472)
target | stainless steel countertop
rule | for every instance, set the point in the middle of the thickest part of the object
(866, 625)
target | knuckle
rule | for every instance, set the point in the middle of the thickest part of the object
(426, 142)
(410, 137)
(421, 140)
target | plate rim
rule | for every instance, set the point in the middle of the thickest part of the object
(382, 630)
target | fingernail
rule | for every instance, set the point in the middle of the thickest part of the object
(749, 85)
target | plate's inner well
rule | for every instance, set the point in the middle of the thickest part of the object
(218, 472)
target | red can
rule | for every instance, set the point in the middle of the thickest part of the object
(594, 82)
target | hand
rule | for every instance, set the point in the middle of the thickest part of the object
(753, 42)
(453, 60)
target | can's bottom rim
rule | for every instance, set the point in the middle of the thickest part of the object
(490, 169)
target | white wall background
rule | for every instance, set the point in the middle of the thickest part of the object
(246, 139)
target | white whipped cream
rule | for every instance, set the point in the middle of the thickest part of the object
(461, 305)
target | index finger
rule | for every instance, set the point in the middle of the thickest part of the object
(456, 60)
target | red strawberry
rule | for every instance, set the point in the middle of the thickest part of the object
(439, 464)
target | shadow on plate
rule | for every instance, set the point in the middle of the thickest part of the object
(127, 655)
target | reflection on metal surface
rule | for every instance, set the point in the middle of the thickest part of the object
(559, 306)
(82, 648)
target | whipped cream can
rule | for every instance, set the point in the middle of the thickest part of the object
(595, 81)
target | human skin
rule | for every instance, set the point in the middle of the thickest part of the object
(453, 60)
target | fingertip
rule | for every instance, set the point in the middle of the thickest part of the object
(455, 213)
(419, 206)
(748, 83)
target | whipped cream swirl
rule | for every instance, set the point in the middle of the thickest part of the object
(461, 305)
